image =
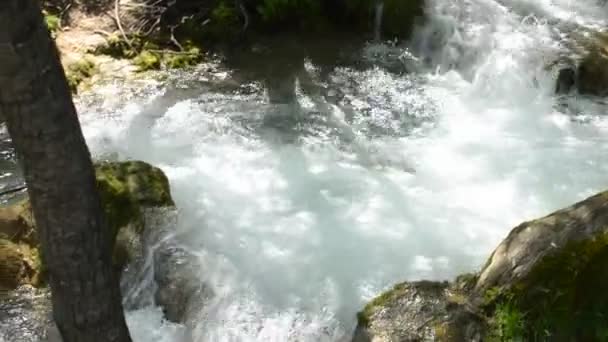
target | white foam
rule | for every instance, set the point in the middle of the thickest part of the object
(296, 236)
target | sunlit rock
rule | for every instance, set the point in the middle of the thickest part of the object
(419, 311)
(546, 280)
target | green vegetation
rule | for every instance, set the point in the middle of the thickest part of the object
(147, 60)
(125, 189)
(53, 22)
(563, 298)
(148, 55)
(382, 300)
(507, 324)
(79, 71)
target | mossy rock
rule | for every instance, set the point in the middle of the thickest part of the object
(551, 275)
(419, 311)
(126, 189)
(546, 281)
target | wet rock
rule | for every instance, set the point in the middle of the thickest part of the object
(593, 72)
(126, 188)
(545, 281)
(589, 52)
(26, 316)
(554, 271)
(566, 80)
(419, 311)
(180, 292)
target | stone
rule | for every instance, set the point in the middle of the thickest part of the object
(545, 281)
(566, 81)
(554, 271)
(126, 189)
(419, 311)
(180, 292)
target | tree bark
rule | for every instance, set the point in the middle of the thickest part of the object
(76, 245)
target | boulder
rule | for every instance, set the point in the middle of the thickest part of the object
(593, 70)
(421, 311)
(566, 80)
(545, 281)
(126, 189)
(180, 292)
(586, 66)
(553, 271)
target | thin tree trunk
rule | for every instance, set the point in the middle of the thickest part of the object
(36, 102)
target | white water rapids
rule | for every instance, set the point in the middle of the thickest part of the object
(298, 214)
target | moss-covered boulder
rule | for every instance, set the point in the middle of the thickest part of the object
(546, 281)
(553, 273)
(126, 189)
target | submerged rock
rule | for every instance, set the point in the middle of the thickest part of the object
(566, 80)
(545, 281)
(126, 188)
(180, 292)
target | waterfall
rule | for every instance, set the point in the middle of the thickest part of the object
(296, 221)
(379, 12)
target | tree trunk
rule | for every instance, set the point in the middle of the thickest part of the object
(76, 244)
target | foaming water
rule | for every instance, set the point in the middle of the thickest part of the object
(299, 212)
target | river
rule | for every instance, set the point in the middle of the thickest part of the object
(310, 176)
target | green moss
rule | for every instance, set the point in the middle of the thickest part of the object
(149, 55)
(79, 71)
(117, 47)
(147, 185)
(364, 316)
(563, 298)
(125, 188)
(147, 60)
(182, 59)
(53, 23)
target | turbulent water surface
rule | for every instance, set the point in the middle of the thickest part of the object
(305, 188)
